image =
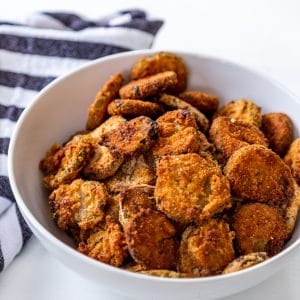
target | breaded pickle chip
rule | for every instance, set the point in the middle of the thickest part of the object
(204, 102)
(133, 199)
(151, 240)
(205, 250)
(175, 103)
(278, 129)
(109, 92)
(51, 162)
(258, 174)
(292, 159)
(76, 156)
(165, 274)
(229, 135)
(245, 261)
(79, 204)
(135, 135)
(243, 110)
(190, 187)
(104, 163)
(107, 246)
(131, 107)
(134, 171)
(149, 86)
(188, 140)
(161, 62)
(259, 228)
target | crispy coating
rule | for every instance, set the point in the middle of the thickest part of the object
(259, 228)
(229, 135)
(161, 62)
(132, 136)
(175, 103)
(134, 171)
(243, 110)
(109, 92)
(278, 129)
(258, 174)
(205, 250)
(245, 261)
(107, 246)
(165, 274)
(51, 162)
(76, 156)
(133, 199)
(204, 102)
(149, 86)
(151, 240)
(131, 107)
(174, 121)
(190, 187)
(292, 159)
(188, 140)
(79, 204)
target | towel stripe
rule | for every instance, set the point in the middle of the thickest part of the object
(26, 232)
(5, 189)
(6, 128)
(16, 96)
(1, 259)
(3, 165)
(11, 112)
(4, 143)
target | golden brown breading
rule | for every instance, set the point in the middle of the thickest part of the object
(259, 228)
(245, 261)
(104, 163)
(151, 240)
(132, 136)
(76, 156)
(229, 135)
(292, 159)
(243, 110)
(206, 249)
(109, 92)
(187, 140)
(174, 121)
(258, 174)
(79, 204)
(134, 171)
(149, 86)
(278, 129)
(133, 199)
(175, 103)
(190, 187)
(166, 274)
(131, 107)
(206, 103)
(107, 246)
(51, 162)
(161, 62)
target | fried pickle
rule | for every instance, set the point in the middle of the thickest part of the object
(292, 159)
(109, 92)
(149, 86)
(132, 136)
(151, 240)
(243, 110)
(207, 249)
(190, 187)
(245, 261)
(278, 129)
(176, 103)
(161, 62)
(259, 228)
(258, 174)
(51, 162)
(204, 102)
(229, 135)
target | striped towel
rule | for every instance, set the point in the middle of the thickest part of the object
(31, 56)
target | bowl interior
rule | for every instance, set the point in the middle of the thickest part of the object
(61, 109)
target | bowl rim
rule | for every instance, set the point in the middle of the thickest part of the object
(92, 262)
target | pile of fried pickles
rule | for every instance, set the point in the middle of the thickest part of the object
(164, 182)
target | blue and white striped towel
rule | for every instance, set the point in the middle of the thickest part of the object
(31, 56)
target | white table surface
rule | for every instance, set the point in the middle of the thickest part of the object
(261, 34)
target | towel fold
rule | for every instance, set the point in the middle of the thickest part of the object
(33, 54)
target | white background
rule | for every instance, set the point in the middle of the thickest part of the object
(261, 34)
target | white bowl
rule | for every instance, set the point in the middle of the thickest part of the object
(61, 109)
